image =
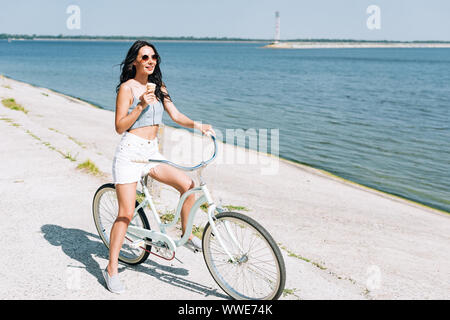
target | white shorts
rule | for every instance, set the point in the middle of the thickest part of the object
(132, 147)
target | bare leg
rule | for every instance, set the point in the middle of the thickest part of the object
(181, 182)
(126, 195)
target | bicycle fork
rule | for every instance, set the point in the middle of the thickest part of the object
(211, 208)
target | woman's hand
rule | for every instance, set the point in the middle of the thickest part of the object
(206, 128)
(147, 98)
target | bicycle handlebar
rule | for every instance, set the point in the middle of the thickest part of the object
(200, 165)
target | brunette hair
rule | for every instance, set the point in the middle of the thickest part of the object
(128, 70)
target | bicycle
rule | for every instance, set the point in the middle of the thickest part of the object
(240, 254)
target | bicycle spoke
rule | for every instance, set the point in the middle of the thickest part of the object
(268, 262)
(267, 272)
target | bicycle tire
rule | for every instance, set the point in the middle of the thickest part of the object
(249, 262)
(127, 254)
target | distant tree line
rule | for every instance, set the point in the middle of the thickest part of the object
(86, 37)
(190, 38)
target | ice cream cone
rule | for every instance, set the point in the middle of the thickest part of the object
(151, 87)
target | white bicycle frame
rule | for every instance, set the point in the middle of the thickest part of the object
(138, 233)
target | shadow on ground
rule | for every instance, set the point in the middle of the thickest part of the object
(84, 246)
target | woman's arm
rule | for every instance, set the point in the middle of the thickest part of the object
(182, 119)
(125, 120)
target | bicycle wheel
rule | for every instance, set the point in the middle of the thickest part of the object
(257, 270)
(105, 208)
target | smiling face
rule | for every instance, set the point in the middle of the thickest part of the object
(146, 60)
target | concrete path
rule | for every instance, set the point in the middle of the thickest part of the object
(339, 240)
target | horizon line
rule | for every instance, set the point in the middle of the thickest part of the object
(194, 38)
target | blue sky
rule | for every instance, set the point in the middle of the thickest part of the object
(333, 19)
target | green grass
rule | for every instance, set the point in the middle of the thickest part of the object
(140, 197)
(67, 155)
(49, 145)
(33, 135)
(318, 265)
(197, 231)
(77, 142)
(10, 121)
(13, 105)
(297, 256)
(89, 167)
(229, 207)
(238, 208)
(70, 137)
(44, 94)
(290, 292)
(6, 86)
(167, 217)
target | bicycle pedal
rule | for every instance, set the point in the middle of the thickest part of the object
(192, 249)
(138, 243)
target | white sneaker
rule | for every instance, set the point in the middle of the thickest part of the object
(113, 282)
(194, 244)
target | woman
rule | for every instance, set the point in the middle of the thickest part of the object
(138, 113)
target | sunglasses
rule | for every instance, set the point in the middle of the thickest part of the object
(145, 57)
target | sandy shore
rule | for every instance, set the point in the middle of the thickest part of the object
(339, 240)
(338, 45)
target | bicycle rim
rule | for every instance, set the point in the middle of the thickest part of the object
(259, 272)
(105, 209)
